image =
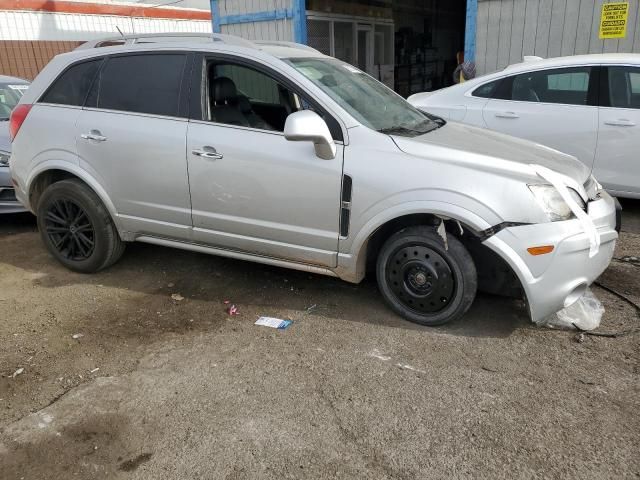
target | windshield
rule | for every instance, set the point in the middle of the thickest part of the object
(10, 94)
(366, 99)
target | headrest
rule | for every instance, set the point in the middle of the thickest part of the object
(223, 90)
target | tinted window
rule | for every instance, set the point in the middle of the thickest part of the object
(142, 84)
(624, 87)
(72, 86)
(567, 86)
(487, 90)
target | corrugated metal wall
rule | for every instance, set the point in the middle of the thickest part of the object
(280, 29)
(509, 29)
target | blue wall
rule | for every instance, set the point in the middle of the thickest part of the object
(470, 31)
(297, 13)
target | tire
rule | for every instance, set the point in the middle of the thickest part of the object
(423, 281)
(76, 227)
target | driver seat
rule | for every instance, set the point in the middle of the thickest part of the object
(224, 102)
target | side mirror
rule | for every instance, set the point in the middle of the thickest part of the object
(308, 126)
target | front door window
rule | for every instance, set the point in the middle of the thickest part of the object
(242, 96)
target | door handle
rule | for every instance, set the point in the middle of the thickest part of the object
(507, 115)
(621, 122)
(94, 135)
(207, 152)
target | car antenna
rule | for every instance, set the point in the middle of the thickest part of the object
(120, 32)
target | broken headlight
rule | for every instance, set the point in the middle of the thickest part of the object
(552, 202)
(4, 158)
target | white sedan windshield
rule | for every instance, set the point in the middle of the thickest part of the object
(366, 99)
(10, 94)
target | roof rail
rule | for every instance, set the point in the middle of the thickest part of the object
(168, 37)
(280, 43)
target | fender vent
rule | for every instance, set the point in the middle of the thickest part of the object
(345, 205)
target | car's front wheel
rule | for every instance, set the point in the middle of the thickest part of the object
(76, 227)
(423, 280)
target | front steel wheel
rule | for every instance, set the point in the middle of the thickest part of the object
(424, 281)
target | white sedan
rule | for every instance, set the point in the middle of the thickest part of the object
(585, 105)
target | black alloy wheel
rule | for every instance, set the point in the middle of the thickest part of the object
(76, 227)
(70, 230)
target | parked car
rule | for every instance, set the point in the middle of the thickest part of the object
(585, 105)
(11, 89)
(316, 167)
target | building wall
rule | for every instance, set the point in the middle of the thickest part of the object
(256, 19)
(32, 32)
(25, 59)
(507, 30)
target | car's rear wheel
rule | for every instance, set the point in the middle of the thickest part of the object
(76, 227)
(423, 280)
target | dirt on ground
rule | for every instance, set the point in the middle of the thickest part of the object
(139, 372)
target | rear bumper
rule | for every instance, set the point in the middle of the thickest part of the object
(556, 280)
(8, 201)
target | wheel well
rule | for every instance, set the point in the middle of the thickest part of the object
(385, 231)
(495, 275)
(44, 180)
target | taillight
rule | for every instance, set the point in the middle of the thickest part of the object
(18, 115)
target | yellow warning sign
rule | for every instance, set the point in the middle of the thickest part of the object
(613, 22)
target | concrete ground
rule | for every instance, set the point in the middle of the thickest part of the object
(107, 376)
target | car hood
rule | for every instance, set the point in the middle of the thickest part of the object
(488, 150)
(5, 142)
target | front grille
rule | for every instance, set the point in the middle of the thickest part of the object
(7, 195)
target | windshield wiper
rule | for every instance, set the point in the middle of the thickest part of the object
(412, 132)
(440, 121)
(397, 131)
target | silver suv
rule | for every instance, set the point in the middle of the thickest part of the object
(281, 155)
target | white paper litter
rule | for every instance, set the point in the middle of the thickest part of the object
(585, 314)
(273, 322)
(77, 336)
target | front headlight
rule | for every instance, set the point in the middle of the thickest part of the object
(552, 202)
(4, 158)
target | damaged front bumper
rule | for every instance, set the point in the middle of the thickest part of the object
(556, 280)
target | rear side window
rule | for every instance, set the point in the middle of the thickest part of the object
(569, 86)
(487, 90)
(72, 86)
(142, 84)
(624, 87)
